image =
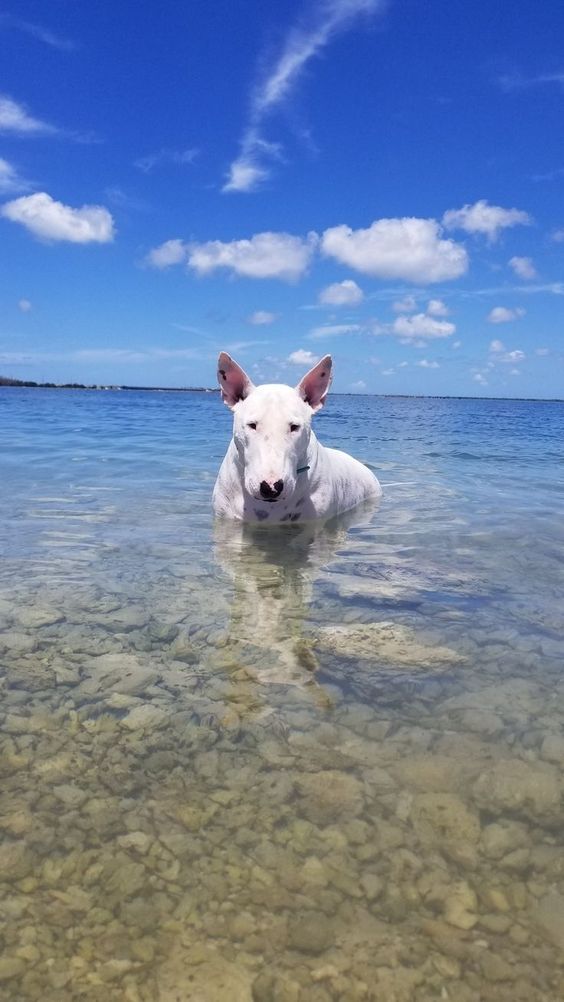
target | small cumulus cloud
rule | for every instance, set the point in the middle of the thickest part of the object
(558, 236)
(345, 293)
(420, 325)
(359, 386)
(406, 305)
(409, 249)
(49, 220)
(523, 268)
(479, 377)
(503, 315)
(456, 344)
(264, 255)
(261, 318)
(436, 308)
(426, 364)
(541, 352)
(387, 372)
(484, 218)
(497, 346)
(302, 357)
(24, 306)
(166, 254)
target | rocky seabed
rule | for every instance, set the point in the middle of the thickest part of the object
(383, 821)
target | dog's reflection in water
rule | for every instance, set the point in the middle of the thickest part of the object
(273, 571)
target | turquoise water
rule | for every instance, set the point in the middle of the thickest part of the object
(299, 764)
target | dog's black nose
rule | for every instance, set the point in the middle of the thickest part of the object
(271, 493)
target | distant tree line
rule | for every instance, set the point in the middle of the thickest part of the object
(8, 381)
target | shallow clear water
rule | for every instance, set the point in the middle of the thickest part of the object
(280, 764)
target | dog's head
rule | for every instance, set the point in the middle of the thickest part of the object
(272, 425)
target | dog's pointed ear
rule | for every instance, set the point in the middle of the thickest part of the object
(314, 386)
(233, 380)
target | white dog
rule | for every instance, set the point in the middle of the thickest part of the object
(274, 468)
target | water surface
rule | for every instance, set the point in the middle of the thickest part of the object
(280, 764)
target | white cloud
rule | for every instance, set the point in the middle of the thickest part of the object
(480, 378)
(558, 236)
(523, 267)
(167, 254)
(265, 255)
(456, 344)
(14, 117)
(301, 44)
(346, 293)
(261, 318)
(302, 357)
(515, 372)
(10, 181)
(503, 315)
(333, 330)
(402, 365)
(51, 220)
(359, 386)
(436, 308)
(388, 372)
(24, 305)
(406, 305)
(409, 249)
(514, 356)
(542, 352)
(484, 218)
(421, 326)
(497, 346)
(426, 364)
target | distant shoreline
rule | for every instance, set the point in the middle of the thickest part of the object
(8, 383)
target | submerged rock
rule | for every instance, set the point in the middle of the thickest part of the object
(512, 786)
(310, 933)
(386, 643)
(328, 795)
(549, 917)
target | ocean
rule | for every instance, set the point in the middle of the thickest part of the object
(305, 763)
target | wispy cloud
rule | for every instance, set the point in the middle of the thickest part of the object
(15, 118)
(333, 330)
(38, 32)
(10, 181)
(303, 42)
(163, 157)
(517, 81)
(261, 318)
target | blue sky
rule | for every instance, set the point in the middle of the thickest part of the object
(381, 181)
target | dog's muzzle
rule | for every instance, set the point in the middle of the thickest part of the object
(271, 493)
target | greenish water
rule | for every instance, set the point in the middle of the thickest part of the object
(296, 765)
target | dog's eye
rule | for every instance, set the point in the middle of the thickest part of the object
(294, 427)
(253, 425)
